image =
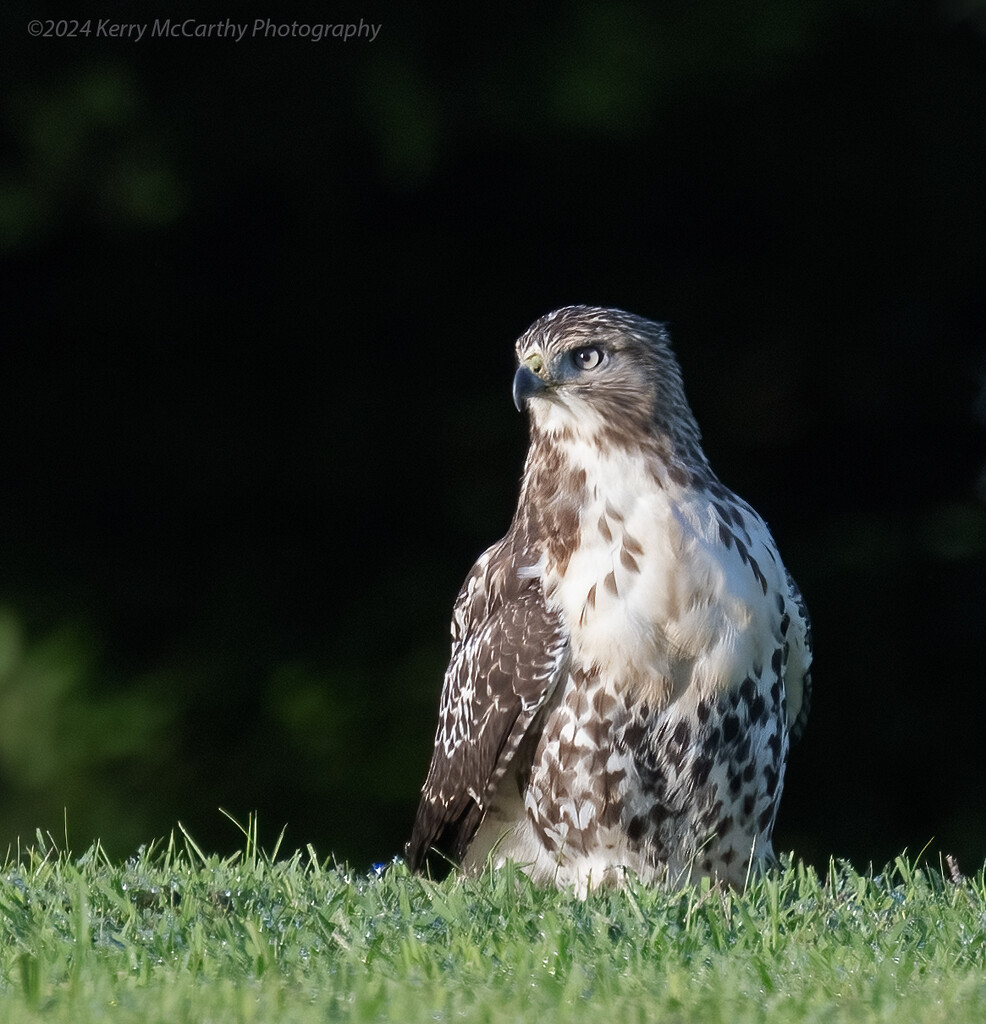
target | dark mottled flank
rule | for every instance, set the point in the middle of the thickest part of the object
(675, 760)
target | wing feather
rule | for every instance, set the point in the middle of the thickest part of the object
(798, 683)
(508, 648)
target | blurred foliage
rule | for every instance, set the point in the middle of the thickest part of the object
(84, 141)
(63, 741)
(259, 301)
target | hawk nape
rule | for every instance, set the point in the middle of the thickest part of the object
(630, 663)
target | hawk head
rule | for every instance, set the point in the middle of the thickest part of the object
(600, 372)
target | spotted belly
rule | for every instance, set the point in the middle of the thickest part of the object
(669, 794)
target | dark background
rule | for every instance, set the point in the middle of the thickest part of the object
(258, 308)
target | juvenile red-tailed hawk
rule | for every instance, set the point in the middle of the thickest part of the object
(631, 662)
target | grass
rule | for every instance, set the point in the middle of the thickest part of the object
(174, 935)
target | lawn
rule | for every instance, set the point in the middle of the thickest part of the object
(175, 935)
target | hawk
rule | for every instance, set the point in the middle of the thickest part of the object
(630, 663)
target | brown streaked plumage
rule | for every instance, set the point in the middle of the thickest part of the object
(631, 663)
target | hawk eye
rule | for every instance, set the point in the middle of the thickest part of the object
(587, 358)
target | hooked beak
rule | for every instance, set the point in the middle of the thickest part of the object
(526, 383)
